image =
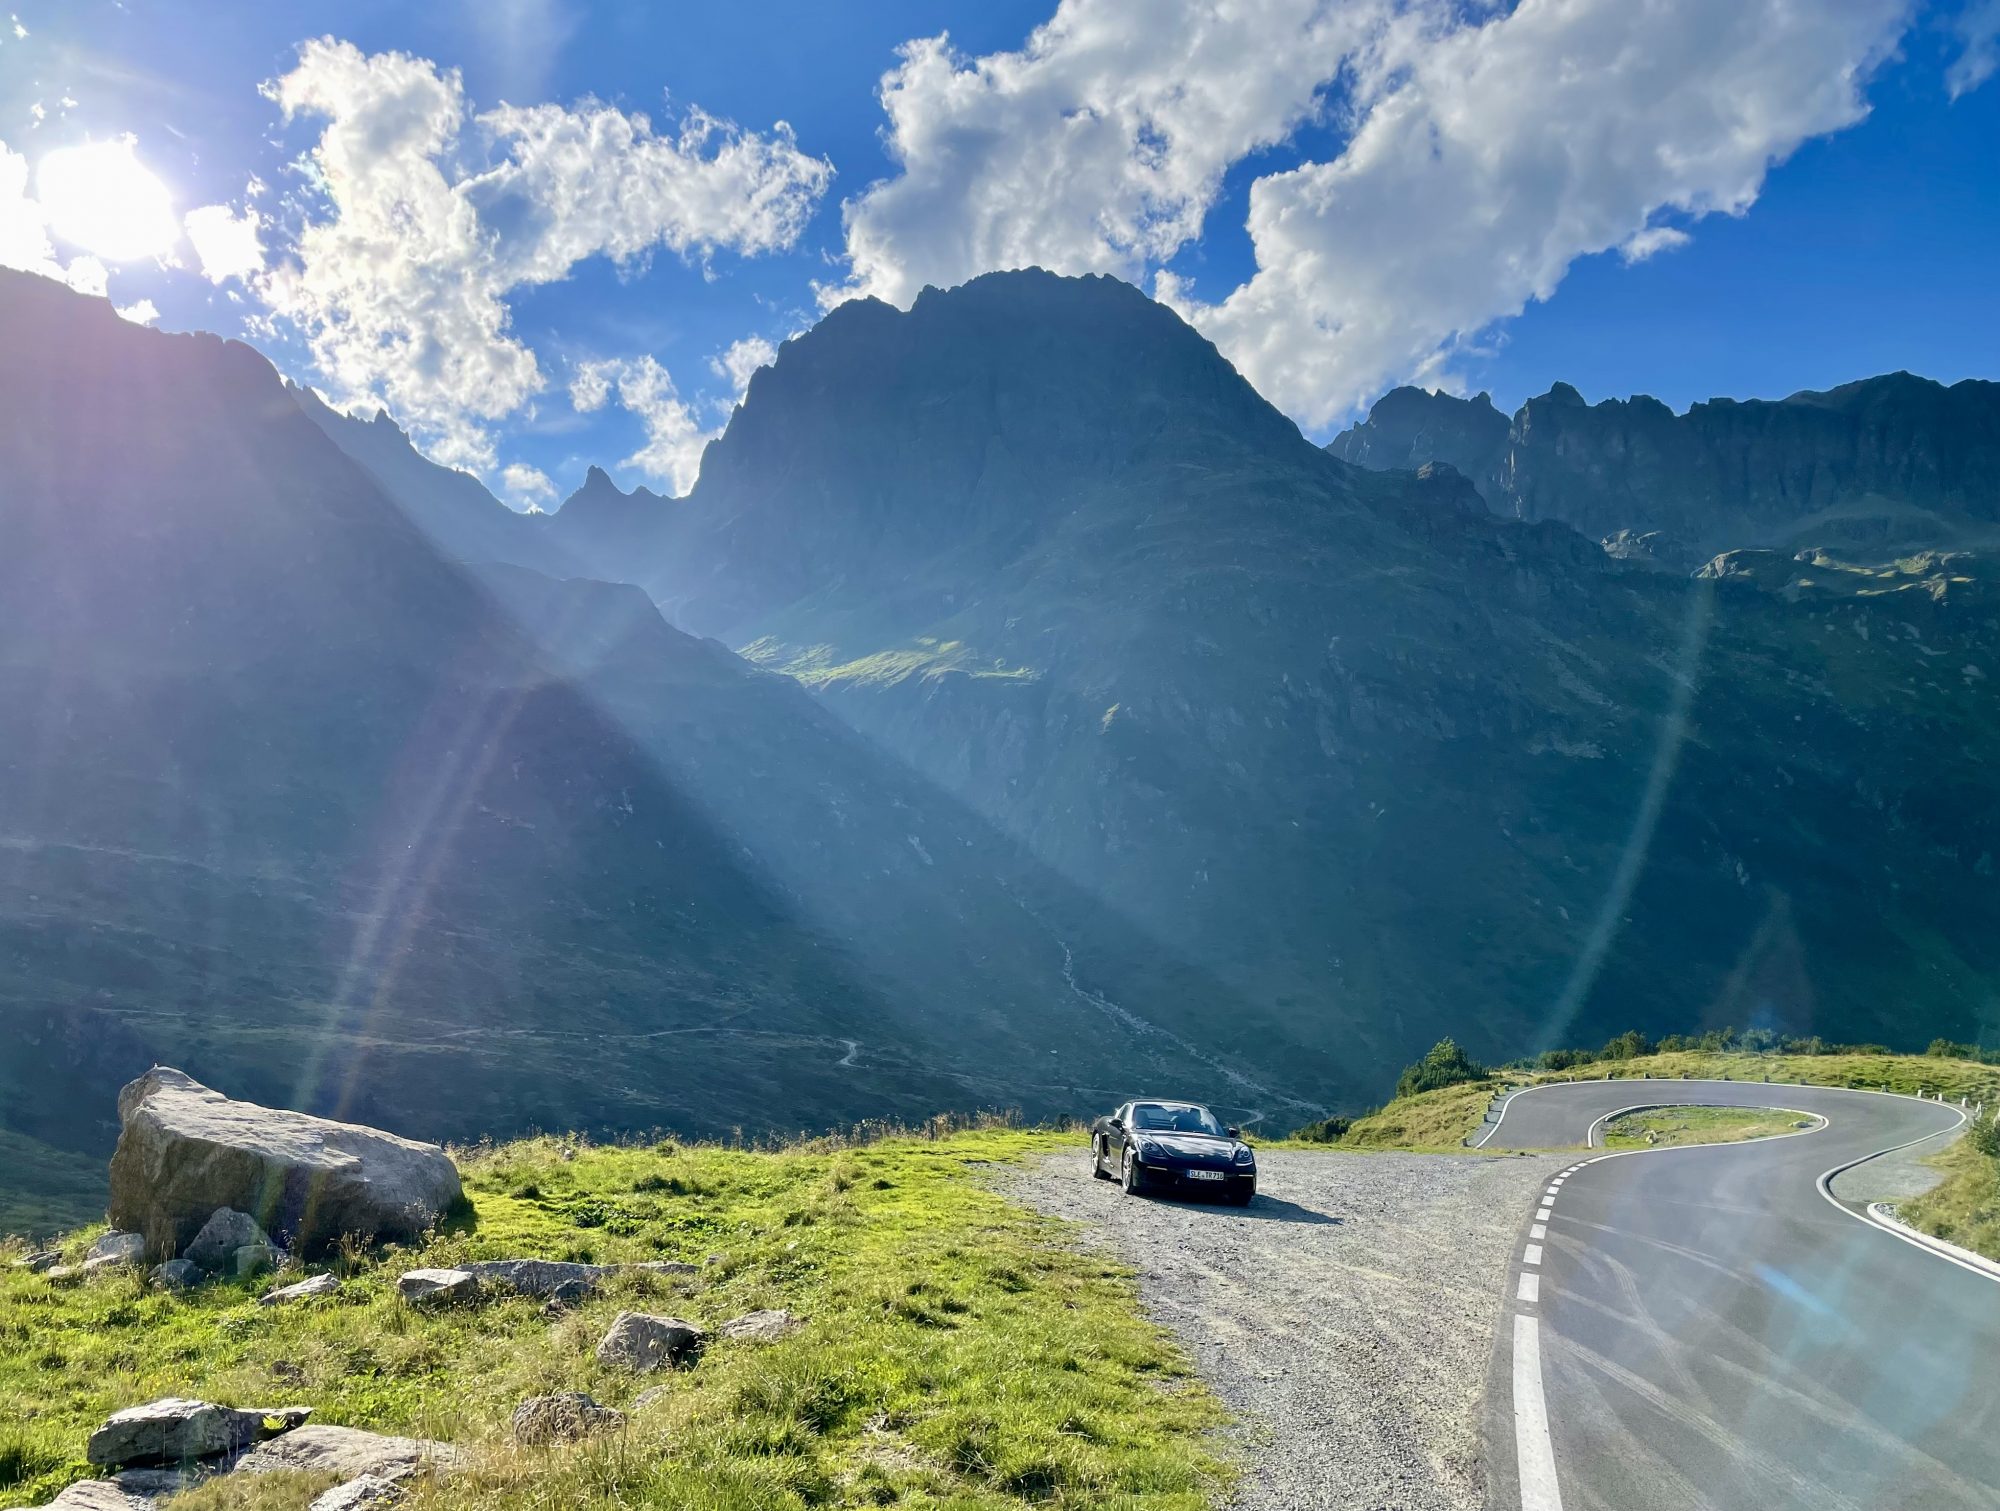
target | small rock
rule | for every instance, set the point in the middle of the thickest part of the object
(563, 1418)
(645, 1343)
(570, 1293)
(40, 1260)
(365, 1490)
(101, 1264)
(538, 1277)
(227, 1230)
(433, 1288)
(176, 1275)
(349, 1452)
(648, 1397)
(118, 1248)
(717, 1259)
(662, 1267)
(304, 1290)
(762, 1327)
(98, 1495)
(258, 1259)
(174, 1431)
(158, 1484)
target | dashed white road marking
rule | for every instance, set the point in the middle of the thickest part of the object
(1539, 1230)
(1554, 1189)
(1534, 1450)
(1531, 1290)
(1544, 1214)
(1533, 1254)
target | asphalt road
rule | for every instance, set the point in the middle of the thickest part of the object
(1705, 1328)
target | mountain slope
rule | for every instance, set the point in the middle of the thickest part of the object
(1386, 765)
(295, 802)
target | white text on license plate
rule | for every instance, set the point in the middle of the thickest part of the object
(1204, 1175)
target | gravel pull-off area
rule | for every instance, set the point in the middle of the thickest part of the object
(1347, 1316)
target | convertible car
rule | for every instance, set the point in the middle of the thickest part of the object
(1172, 1146)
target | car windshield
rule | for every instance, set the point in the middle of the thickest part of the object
(1163, 1117)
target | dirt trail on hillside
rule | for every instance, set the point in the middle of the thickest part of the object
(1347, 1317)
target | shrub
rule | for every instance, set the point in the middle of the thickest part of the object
(1444, 1065)
(1325, 1131)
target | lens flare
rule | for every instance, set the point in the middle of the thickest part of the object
(101, 198)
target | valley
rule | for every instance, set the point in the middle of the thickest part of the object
(1080, 724)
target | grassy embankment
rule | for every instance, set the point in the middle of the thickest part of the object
(1668, 1127)
(958, 1353)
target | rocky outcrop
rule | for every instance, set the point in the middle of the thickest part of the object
(175, 1431)
(762, 1327)
(563, 1418)
(184, 1151)
(644, 1343)
(349, 1452)
(433, 1288)
(304, 1290)
(1895, 462)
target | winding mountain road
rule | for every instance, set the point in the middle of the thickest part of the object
(1724, 1327)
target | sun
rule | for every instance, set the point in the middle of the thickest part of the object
(100, 197)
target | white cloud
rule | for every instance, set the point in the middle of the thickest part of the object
(1097, 148)
(1652, 241)
(740, 360)
(437, 214)
(528, 487)
(1485, 150)
(675, 440)
(1978, 31)
(226, 243)
(142, 312)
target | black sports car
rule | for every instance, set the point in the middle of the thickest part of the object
(1172, 1146)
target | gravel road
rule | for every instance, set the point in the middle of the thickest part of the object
(1347, 1316)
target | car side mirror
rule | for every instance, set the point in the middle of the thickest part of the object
(1235, 1133)
(1118, 1122)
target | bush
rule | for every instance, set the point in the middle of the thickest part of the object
(1444, 1065)
(1325, 1131)
(1984, 1135)
(1629, 1045)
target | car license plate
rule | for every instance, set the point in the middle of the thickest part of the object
(1204, 1175)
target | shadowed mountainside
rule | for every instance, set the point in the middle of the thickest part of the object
(296, 802)
(1385, 764)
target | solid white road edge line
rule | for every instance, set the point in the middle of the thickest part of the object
(1909, 1236)
(1534, 1449)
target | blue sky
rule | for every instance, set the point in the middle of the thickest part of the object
(1682, 197)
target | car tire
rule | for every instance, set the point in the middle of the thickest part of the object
(1097, 1160)
(1128, 1174)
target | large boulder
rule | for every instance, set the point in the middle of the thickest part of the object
(174, 1431)
(184, 1151)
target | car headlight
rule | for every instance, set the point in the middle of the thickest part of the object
(1144, 1149)
(1245, 1157)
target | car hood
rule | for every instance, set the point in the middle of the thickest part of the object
(1198, 1147)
